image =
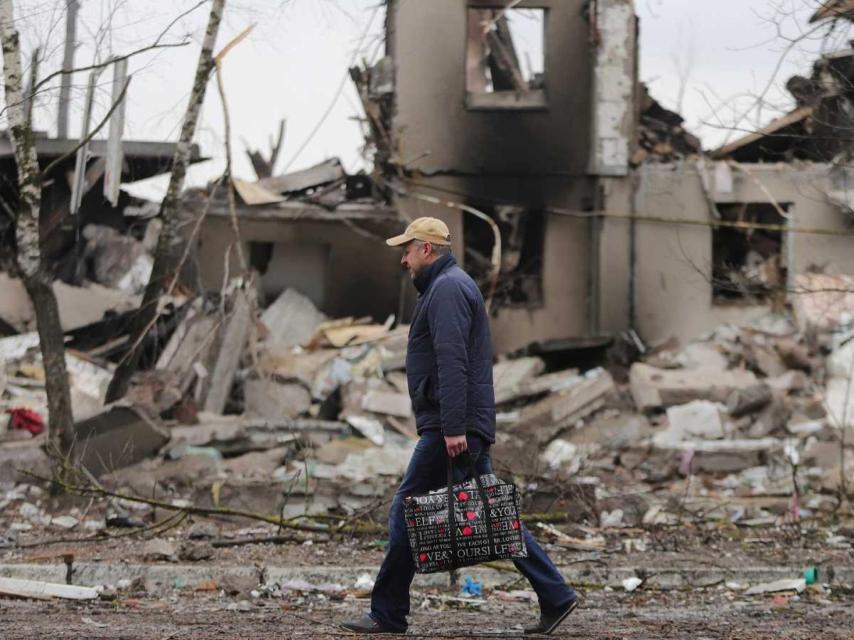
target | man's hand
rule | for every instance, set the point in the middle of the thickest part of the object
(456, 445)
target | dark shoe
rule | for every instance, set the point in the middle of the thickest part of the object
(550, 622)
(367, 625)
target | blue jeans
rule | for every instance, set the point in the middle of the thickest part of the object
(427, 471)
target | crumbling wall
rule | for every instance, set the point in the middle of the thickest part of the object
(612, 285)
(614, 87)
(673, 267)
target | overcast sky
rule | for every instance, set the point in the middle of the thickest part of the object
(719, 56)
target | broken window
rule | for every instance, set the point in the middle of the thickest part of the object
(748, 263)
(505, 58)
(520, 281)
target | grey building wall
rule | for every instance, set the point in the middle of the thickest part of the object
(673, 296)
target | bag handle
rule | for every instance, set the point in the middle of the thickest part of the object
(483, 498)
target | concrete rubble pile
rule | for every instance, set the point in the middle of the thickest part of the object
(759, 404)
(283, 410)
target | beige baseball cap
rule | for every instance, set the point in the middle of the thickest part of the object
(430, 230)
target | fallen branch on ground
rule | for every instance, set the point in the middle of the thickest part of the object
(156, 528)
(89, 490)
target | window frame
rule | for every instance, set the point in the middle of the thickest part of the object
(534, 100)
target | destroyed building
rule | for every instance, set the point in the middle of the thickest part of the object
(607, 209)
(275, 394)
(96, 236)
(318, 231)
(537, 106)
(603, 205)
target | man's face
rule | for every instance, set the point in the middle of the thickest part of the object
(416, 256)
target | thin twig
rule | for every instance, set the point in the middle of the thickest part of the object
(104, 537)
(277, 539)
(204, 511)
(229, 178)
(155, 45)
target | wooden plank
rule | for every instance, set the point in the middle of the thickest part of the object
(653, 388)
(254, 193)
(775, 125)
(508, 376)
(545, 419)
(37, 589)
(234, 335)
(321, 173)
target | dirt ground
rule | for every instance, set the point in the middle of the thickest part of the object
(698, 615)
(708, 545)
(708, 611)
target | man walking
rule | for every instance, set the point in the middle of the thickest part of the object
(449, 372)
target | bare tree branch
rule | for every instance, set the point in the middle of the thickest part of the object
(229, 178)
(101, 65)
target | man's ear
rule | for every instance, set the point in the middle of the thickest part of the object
(428, 248)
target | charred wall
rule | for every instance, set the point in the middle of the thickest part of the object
(432, 117)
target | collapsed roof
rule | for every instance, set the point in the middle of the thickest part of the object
(142, 159)
(322, 192)
(661, 135)
(817, 129)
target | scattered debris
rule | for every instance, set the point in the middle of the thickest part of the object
(661, 136)
(292, 319)
(797, 585)
(630, 584)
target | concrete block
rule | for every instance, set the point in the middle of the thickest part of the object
(292, 319)
(116, 438)
(697, 419)
(387, 403)
(269, 398)
(654, 388)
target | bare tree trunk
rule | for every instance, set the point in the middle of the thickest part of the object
(35, 275)
(168, 245)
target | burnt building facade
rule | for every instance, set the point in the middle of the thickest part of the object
(522, 112)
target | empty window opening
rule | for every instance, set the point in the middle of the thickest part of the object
(520, 280)
(748, 264)
(260, 254)
(505, 58)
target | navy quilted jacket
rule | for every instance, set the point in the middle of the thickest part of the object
(449, 356)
